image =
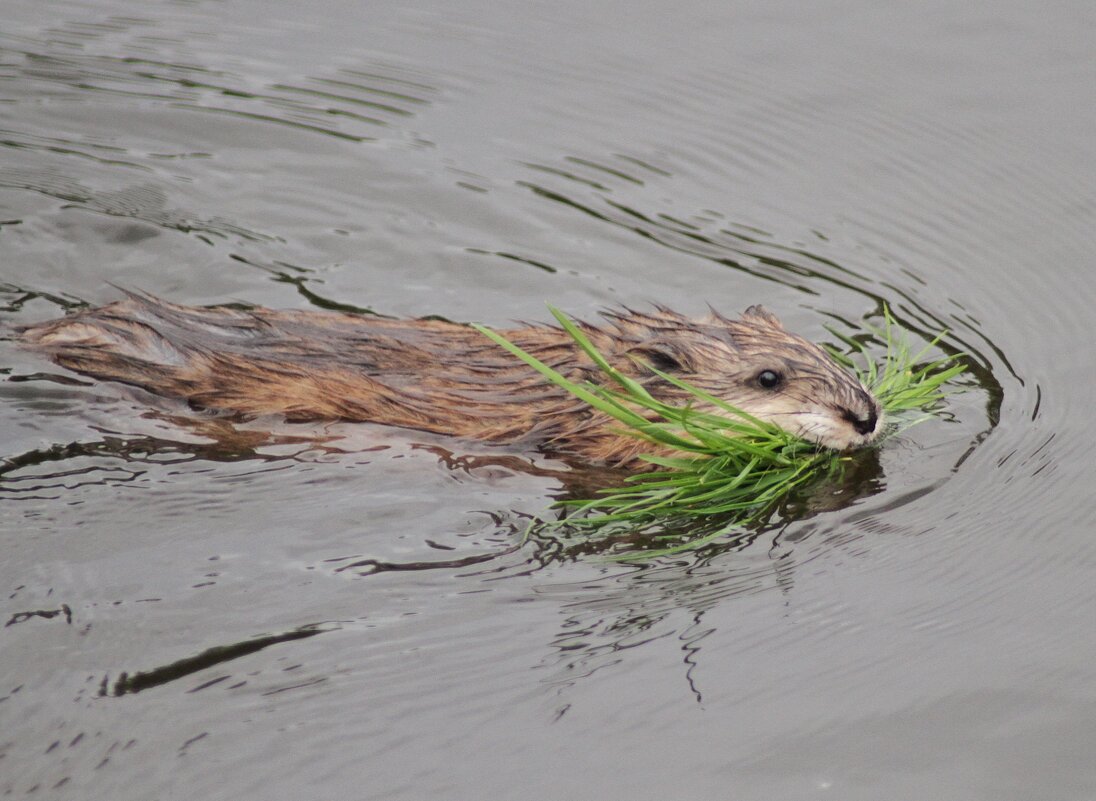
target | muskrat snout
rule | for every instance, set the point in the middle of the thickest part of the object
(854, 422)
(838, 426)
(866, 420)
(865, 425)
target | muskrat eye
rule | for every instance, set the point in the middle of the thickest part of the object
(769, 379)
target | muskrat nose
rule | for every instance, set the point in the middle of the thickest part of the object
(865, 425)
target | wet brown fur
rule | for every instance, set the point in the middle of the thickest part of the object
(434, 375)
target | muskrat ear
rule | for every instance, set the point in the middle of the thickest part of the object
(662, 357)
(759, 313)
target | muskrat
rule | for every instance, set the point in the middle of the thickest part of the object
(445, 377)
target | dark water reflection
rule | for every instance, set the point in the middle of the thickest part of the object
(921, 629)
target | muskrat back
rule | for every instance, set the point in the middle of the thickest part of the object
(448, 378)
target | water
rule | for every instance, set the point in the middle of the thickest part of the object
(201, 613)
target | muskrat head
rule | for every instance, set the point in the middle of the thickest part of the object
(758, 366)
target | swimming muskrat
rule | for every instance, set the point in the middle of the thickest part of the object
(448, 378)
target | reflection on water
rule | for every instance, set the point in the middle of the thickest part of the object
(145, 203)
(128, 683)
(346, 104)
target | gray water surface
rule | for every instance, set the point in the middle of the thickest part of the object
(269, 611)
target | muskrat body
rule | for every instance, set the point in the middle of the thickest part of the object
(448, 378)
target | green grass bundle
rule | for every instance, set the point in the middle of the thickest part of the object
(728, 466)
